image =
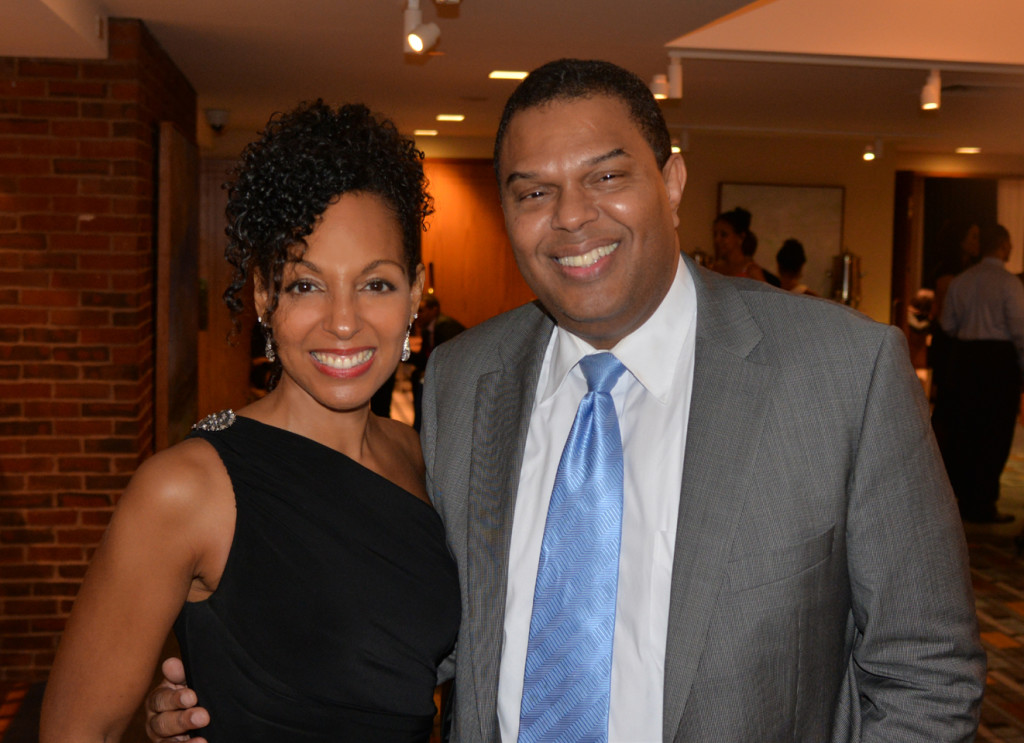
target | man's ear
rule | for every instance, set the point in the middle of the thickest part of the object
(674, 174)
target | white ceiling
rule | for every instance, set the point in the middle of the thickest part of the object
(253, 57)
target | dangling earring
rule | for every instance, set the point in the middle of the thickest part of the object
(268, 348)
(406, 351)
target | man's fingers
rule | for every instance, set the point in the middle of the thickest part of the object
(167, 699)
(174, 726)
(174, 670)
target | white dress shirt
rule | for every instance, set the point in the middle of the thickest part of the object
(653, 404)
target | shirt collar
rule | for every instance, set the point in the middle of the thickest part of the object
(649, 353)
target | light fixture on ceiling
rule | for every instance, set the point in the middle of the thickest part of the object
(872, 151)
(968, 150)
(659, 87)
(450, 117)
(424, 132)
(671, 85)
(507, 75)
(217, 118)
(931, 93)
(419, 36)
(681, 142)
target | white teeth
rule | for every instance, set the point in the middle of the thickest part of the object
(343, 362)
(588, 259)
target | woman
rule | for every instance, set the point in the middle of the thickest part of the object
(735, 246)
(290, 544)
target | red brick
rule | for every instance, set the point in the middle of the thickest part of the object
(97, 427)
(71, 571)
(78, 166)
(50, 259)
(23, 127)
(25, 428)
(50, 624)
(95, 518)
(26, 536)
(23, 88)
(80, 536)
(49, 298)
(49, 109)
(20, 316)
(15, 589)
(48, 185)
(52, 517)
(79, 318)
(16, 465)
(50, 371)
(84, 500)
(24, 165)
(53, 445)
(85, 89)
(23, 571)
(55, 554)
(115, 483)
(83, 464)
(47, 68)
(29, 607)
(23, 242)
(80, 280)
(50, 335)
(19, 203)
(48, 483)
(81, 128)
(48, 222)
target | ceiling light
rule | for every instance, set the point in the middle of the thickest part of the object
(450, 117)
(869, 153)
(659, 87)
(419, 36)
(968, 150)
(424, 132)
(931, 93)
(507, 75)
(675, 77)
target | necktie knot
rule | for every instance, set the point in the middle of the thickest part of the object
(602, 371)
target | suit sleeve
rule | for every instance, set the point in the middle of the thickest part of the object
(918, 668)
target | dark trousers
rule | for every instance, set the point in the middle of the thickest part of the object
(984, 387)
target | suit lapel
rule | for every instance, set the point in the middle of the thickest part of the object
(728, 405)
(504, 401)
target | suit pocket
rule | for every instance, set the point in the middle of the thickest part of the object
(762, 568)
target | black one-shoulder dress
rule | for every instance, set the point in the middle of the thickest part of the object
(338, 600)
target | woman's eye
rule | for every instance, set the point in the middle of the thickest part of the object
(379, 285)
(301, 286)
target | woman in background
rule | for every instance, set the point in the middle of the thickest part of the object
(735, 246)
(290, 544)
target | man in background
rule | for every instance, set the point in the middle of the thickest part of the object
(434, 329)
(984, 313)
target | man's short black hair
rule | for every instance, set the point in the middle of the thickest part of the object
(570, 79)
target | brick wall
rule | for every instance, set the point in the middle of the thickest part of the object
(77, 169)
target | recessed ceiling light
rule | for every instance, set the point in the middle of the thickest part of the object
(424, 132)
(968, 150)
(507, 75)
(450, 117)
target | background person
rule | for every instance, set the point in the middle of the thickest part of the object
(434, 328)
(735, 246)
(791, 259)
(984, 313)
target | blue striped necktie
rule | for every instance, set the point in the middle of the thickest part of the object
(567, 685)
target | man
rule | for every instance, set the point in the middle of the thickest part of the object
(791, 565)
(984, 313)
(434, 329)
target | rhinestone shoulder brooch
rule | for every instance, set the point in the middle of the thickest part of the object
(216, 421)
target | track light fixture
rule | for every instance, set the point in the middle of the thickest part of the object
(419, 36)
(931, 93)
(872, 151)
(670, 85)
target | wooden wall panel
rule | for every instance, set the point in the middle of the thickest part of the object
(475, 274)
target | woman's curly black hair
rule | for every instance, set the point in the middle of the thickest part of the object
(303, 161)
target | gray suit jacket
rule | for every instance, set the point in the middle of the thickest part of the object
(820, 584)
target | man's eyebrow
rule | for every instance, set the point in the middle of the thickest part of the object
(611, 154)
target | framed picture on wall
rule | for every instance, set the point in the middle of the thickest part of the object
(811, 214)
